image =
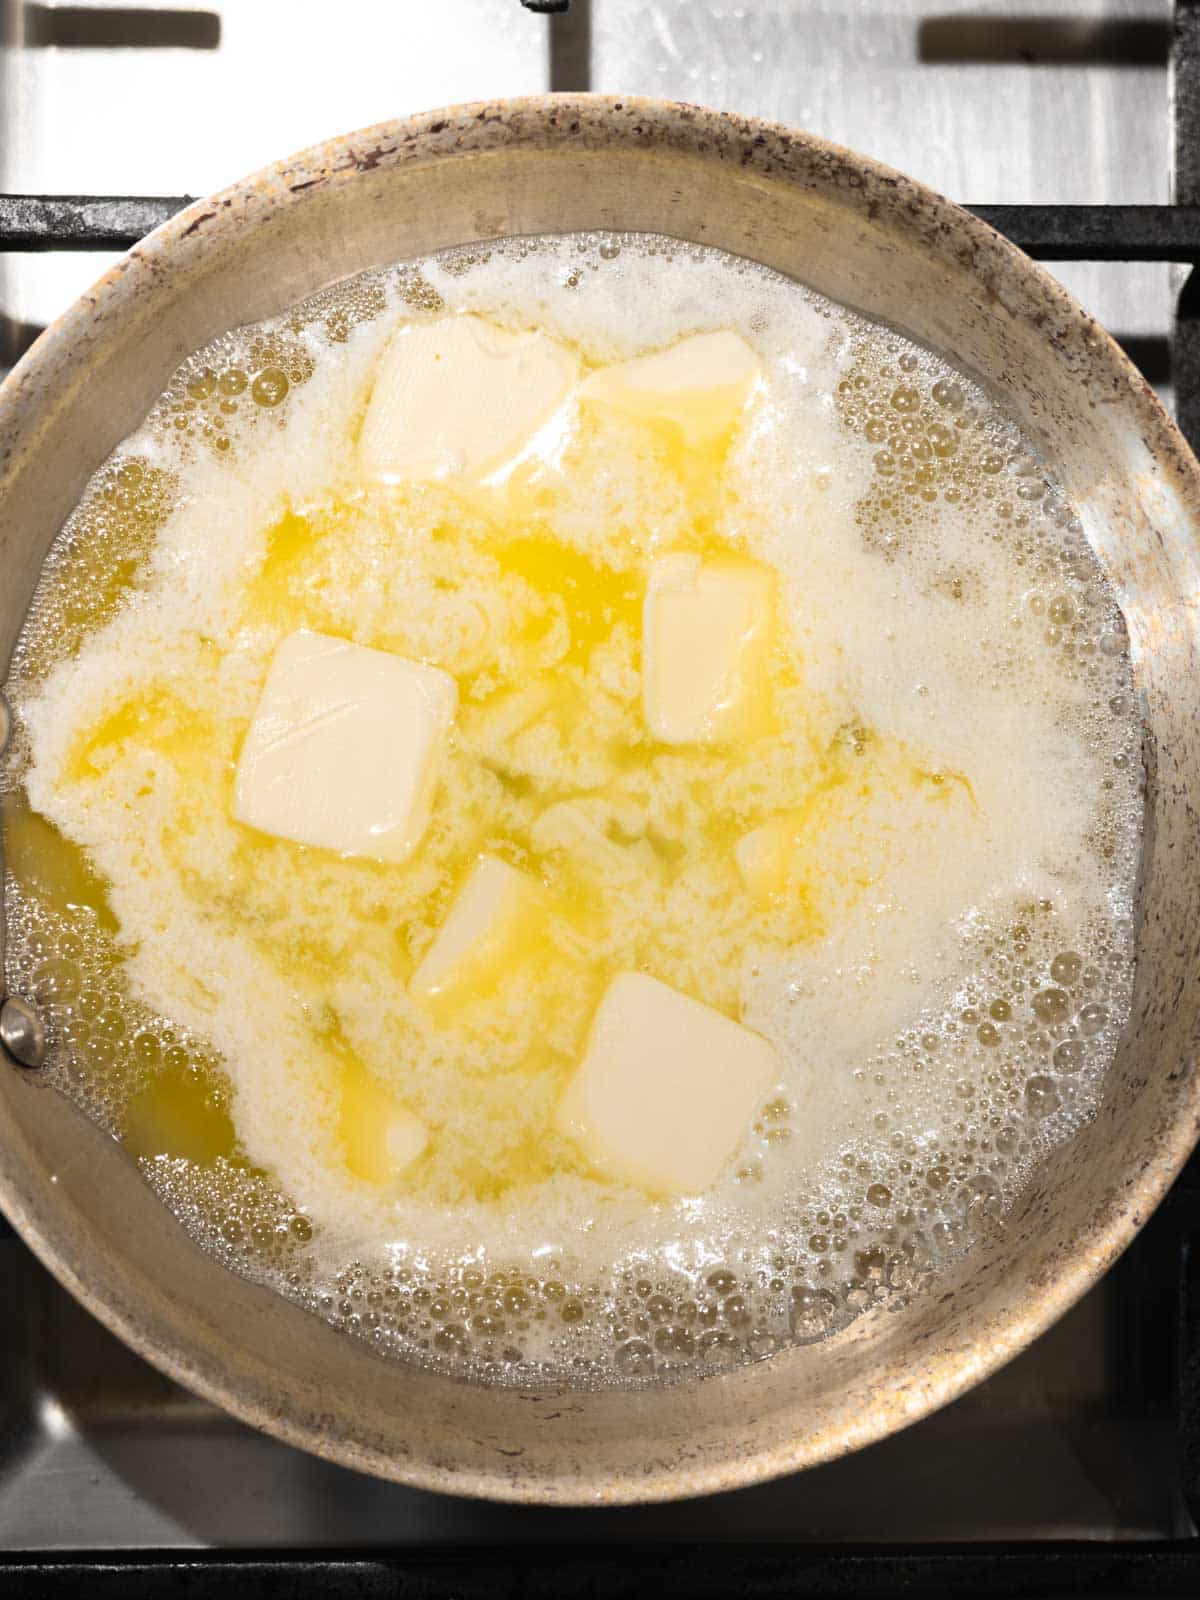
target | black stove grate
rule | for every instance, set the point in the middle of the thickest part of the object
(1159, 1276)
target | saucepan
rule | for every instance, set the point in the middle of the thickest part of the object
(873, 240)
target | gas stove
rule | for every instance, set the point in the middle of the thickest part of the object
(1076, 1469)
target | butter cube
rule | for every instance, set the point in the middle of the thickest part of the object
(666, 1088)
(345, 748)
(764, 855)
(380, 1137)
(701, 385)
(460, 395)
(486, 925)
(705, 643)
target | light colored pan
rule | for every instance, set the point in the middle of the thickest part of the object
(875, 241)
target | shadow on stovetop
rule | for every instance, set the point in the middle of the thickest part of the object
(98, 1451)
(1047, 41)
(97, 27)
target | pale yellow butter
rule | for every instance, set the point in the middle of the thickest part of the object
(486, 922)
(666, 1088)
(701, 385)
(705, 646)
(345, 748)
(460, 395)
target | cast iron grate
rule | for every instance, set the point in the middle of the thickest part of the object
(1160, 1276)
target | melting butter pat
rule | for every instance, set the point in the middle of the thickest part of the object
(666, 1088)
(380, 1137)
(460, 395)
(345, 748)
(700, 385)
(487, 923)
(705, 648)
(764, 857)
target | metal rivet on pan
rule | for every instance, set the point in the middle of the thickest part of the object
(22, 1032)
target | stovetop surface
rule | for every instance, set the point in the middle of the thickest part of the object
(1078, 1438)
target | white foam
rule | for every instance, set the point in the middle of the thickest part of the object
(971, 680)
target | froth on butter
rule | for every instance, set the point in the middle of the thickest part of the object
(797, 476)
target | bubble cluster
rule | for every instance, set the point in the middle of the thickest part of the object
(943, 445)
(97, 558)
(233, 381)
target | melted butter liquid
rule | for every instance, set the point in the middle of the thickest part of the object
(566, 607)
(683, 862)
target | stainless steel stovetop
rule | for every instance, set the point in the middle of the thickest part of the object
(989, 102)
